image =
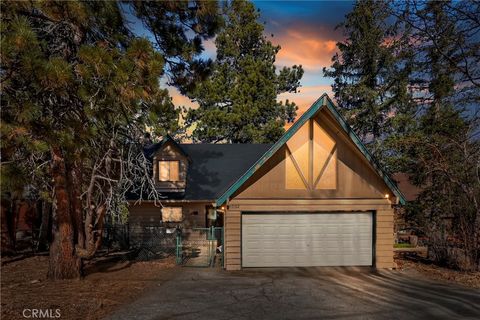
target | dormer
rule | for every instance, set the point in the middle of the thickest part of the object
(170, 166)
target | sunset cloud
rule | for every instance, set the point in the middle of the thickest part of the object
(305, 47)
(307, 36)
(305, 98)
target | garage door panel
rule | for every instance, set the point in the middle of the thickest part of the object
(306, 239)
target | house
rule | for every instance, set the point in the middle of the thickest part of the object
(314, 198)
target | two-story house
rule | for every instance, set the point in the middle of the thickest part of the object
(314, 198)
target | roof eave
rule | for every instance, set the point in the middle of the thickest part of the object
(363, 149)
(168, 138)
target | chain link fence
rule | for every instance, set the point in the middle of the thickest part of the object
(140, 243)
(197, 247)
(200, 247)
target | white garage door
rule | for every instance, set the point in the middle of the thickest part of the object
(312, 239)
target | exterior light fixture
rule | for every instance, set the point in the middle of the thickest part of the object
(387, 196)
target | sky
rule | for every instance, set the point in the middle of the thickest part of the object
(305, 30)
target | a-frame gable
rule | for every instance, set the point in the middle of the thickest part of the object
(296, 129)
(363, 149)
(169, 140)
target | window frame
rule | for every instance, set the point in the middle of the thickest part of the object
(297, 177)
(171, 213)
(169, 162)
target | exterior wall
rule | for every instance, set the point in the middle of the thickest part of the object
(355, 176)
(145, 222)
(170, 152)
(383, 222)
(358, 187)
(149, 215)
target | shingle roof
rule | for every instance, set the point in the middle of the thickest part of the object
(216, 171)
(213, 167)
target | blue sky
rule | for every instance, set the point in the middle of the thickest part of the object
(305, 30)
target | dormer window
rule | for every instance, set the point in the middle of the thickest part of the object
(168, 170)
(170, 167)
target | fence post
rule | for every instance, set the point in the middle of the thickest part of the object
(178, 249)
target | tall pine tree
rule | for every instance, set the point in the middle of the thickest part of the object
(440, 152)
(370, 72)
(78, 91)
(238, 103)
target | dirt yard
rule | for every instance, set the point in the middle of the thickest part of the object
(108, 283)
(434, 272)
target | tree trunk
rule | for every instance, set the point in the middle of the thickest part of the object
(8, 230)
(44, 226)
(64, 264)
(74, 183)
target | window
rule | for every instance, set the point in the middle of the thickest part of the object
(172, 214)
(168, 170)
(311, 159)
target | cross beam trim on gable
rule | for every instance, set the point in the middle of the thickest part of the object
(323, 101)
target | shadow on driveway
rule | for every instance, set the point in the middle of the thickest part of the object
(302, 293)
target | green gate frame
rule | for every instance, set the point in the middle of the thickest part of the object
(210, 237)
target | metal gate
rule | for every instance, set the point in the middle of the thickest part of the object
(200, 247)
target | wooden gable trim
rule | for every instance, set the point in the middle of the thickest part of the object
(273, 149)
(164, 141)
(323, 101)
(361, 147)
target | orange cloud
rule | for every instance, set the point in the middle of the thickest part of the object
(306, 47)
(210, 48)
(304, 98)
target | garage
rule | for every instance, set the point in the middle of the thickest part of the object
(316, 197)
(307, 239)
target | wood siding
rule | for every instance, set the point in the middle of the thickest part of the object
(170, 152)
(147, 214)
(356, 178)
(358, 188)
(383, 221)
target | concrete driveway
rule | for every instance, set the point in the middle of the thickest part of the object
(302, 293)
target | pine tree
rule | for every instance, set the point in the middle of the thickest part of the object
(78, 92)
(439, 152)
(238, 102)
(438, 148)
(370, 72)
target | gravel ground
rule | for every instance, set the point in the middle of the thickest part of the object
(434, 272)
(107, 285)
